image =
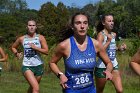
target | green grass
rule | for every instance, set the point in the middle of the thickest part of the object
(12, 81)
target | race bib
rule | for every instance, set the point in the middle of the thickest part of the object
(112, 54)
(29, 52)
(82, 80)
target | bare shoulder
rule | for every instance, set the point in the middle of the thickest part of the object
(64, 44)
(100, 34)
(20, 39)
(63, 48)
(96, 44)
(41, 36)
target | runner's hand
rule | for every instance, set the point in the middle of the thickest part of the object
(109, 38)
(32, 46)
(19, 55)
(108, 75)
(63, 81)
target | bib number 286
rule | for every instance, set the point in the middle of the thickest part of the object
(82, 80)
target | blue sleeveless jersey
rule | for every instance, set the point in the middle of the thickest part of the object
(79, 66)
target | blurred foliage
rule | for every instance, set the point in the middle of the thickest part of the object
(135, 45)
(51, 19)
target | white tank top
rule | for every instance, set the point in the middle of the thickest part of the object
(31, 57)
(111, 51)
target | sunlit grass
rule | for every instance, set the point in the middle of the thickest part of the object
(12, 80)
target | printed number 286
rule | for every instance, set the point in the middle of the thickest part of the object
(81, 80)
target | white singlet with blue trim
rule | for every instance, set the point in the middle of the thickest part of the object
(111, 51)
(31, 57)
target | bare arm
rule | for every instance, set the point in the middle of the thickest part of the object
(3, 55)
(58, 54)
(15, 46)
(136, 67)
(44, 46)
(135, 62)
(102, 54)
(55, 59)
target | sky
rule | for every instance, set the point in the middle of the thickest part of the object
(36, 4)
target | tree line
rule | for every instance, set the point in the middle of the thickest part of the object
(52, 19)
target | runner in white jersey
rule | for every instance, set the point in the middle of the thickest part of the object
(111, 51)
(107, 38)
(31, 57)
(33, 45)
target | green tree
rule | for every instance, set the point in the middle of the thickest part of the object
(62, 17)
(9, 28)
(52, 19)
(11, 6)
(47, 19)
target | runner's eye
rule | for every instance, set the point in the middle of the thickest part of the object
(31, 25)
(77, 22)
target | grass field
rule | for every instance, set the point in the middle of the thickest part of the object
(12, 81)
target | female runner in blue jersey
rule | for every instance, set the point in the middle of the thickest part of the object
(33, 45)
(79, 53)
(107, 38)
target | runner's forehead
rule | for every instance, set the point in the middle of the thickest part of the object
(31, 23)
(110, 17)
(80, 18)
